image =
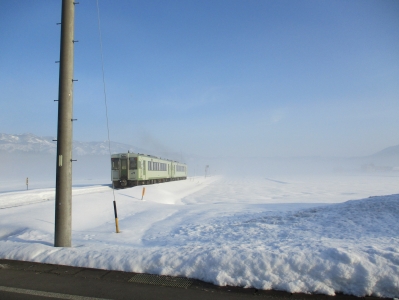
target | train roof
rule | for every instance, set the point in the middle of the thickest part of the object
(148, 155)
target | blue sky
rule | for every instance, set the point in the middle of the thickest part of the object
(211, 77)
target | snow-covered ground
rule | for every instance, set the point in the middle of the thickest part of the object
(303, 234)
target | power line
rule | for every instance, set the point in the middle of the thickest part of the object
(104, 87)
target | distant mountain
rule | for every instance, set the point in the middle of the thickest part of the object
(390, 151)
(31, 143)
(27, 143)
(386, 157)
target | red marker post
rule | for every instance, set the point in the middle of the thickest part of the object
(142, 194)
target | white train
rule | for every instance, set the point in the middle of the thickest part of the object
(131, 169)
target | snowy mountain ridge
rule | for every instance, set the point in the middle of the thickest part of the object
(29, 142)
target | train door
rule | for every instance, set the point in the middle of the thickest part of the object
(115, 168)
(123, 168)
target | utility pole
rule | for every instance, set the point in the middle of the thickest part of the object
(63, 191)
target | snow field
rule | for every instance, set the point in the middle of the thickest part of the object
(292, 234)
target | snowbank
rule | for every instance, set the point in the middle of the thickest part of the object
(258, 233)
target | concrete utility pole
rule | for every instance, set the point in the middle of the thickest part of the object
(63, 192)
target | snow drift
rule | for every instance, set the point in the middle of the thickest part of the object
(258, 233)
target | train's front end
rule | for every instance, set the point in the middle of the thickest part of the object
(124, 169)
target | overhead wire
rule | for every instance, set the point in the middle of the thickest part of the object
(105, 91)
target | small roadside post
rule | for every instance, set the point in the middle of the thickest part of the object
(143, 193)
(116, 218)
(27, 183)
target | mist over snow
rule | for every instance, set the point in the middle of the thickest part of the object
(28, 155)
(299, 224)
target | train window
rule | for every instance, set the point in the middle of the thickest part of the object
(149, 166)
(133, 163)
(115, 163)
(180, 168)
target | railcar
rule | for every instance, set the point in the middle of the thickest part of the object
(131, 169)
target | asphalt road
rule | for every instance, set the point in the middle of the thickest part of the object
(27, 280)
